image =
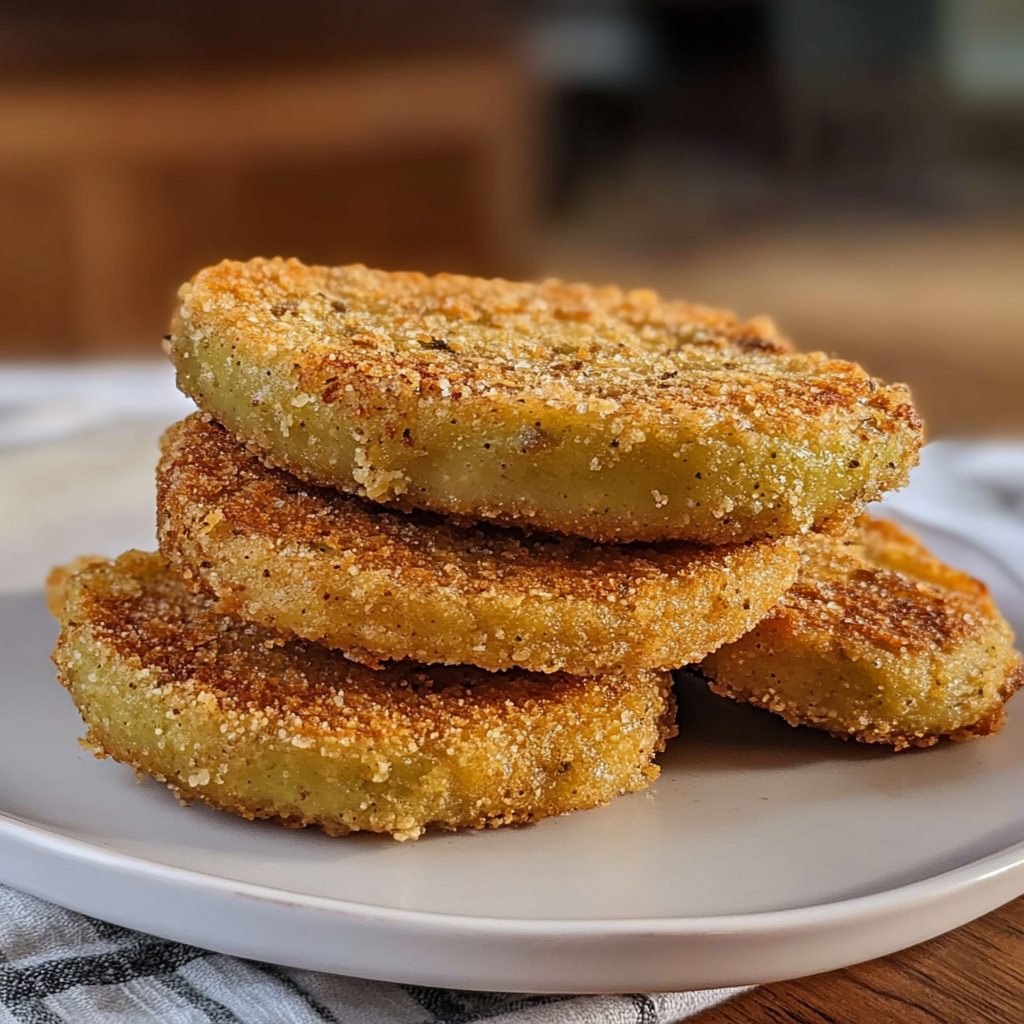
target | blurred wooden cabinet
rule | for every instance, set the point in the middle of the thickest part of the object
(112, 193)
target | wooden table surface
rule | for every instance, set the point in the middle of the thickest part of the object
(972, 975)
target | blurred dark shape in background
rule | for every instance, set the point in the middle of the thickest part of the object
(853, 167)
(140, 142)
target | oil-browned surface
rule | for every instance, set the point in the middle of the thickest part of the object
(609, 414)
(878, 640)
(382, 584)
(855, 589)
(226, 712)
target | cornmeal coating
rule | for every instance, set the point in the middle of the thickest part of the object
(878, 640)
(590, 411)
(381, 584)
(224, 712)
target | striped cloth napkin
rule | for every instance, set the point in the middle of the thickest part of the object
(58, 966)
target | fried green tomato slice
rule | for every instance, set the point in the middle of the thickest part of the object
(878, 640)
(223, 712)
(587, 411)
(381, 584)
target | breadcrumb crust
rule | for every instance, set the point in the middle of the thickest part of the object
(878, 640)
(612, 415)
(383, 585)
(227, 713)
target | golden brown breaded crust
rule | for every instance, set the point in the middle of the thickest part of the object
(610, 415)
(60, 577)
(878, 640)
(224, 712)
(385, 585)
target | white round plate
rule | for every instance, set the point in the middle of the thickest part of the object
(763, 852)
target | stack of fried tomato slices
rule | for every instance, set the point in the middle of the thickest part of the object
(432, 547)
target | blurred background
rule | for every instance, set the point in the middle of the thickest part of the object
(855, 168)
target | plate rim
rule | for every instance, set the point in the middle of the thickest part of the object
(906, 896)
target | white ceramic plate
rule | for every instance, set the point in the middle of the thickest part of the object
(762, 852)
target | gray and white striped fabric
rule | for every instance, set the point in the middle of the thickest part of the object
(58, 967)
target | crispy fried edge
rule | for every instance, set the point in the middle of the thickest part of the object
(204, 474)
(212, 315)
(884, 535)
(77, 636)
